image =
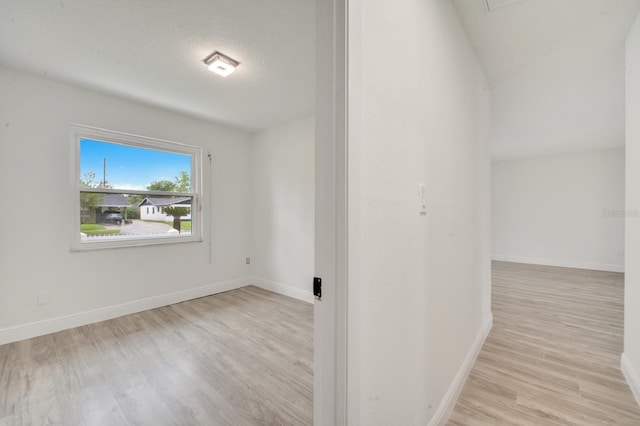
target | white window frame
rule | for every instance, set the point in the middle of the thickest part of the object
(85, 132)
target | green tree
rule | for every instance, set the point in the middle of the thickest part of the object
(176, 212)
(88, 180)
(89, 201)
(135, 199)
(131, 212)
(162, 185)
(182, 182)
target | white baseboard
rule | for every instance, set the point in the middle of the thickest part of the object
(283, 289)
(40, 328)
(450, 399)
(562, 263)
(632, 376)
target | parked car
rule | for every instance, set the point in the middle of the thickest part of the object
(112, 217)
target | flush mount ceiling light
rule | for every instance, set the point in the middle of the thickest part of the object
(221, 64)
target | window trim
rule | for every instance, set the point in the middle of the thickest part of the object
(79, 132)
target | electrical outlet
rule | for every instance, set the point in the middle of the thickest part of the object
(247, 260)
(43, 298)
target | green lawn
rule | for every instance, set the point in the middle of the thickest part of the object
(93, 229)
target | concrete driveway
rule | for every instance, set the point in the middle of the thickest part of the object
(139, 227)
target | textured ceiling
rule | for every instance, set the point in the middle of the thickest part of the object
(526, 32)
(152, 51)
(556, 70)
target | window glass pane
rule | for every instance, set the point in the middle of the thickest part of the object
(124, 216)
(134, 190)
(111, 165)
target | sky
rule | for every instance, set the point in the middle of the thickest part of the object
(130, 167)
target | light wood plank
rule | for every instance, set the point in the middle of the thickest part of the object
(243, 357)
(553, 355)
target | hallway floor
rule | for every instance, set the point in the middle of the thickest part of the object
(553, 355)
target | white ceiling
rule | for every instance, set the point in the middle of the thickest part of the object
(556, 67)
(556, 71)
(152, 51)
(524, 33)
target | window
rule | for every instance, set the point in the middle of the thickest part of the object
(133, 190)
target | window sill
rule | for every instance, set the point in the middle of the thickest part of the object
(111, 241)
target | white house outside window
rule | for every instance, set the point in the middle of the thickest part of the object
(119, 176)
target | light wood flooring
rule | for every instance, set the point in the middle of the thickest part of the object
(242, 357)
(553, 355)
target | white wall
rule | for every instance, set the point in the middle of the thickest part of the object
(35, 168)
(562, 104)
(631, 356)
(418, 114)
(282, 207)
(562, 210)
